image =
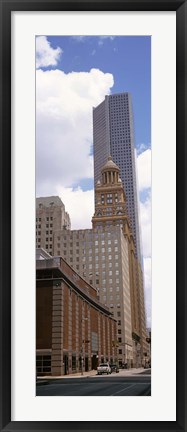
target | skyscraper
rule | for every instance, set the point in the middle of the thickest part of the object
(113, 135)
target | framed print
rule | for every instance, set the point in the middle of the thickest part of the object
(31, 45)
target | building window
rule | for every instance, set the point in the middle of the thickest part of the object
(109, 198)
(43, 365)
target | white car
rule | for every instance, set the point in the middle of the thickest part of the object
(104, 368)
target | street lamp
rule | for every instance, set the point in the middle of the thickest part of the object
(82, 342)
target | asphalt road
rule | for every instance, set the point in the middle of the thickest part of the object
(110, 385)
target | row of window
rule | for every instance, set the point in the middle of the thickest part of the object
(47, 219)
(104, 297)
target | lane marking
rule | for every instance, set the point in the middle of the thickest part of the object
(132, 385)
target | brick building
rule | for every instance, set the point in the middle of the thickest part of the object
(74, 331)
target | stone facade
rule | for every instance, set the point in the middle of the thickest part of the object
(50, 216)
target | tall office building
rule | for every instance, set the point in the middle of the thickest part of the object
(50, 217)
(113, 135)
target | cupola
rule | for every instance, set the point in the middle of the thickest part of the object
(110, 172)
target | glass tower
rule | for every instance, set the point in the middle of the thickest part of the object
(113, 135)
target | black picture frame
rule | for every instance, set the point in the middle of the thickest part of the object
(6, 7)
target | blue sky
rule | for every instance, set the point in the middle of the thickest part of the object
(73, 74)
(128, 58)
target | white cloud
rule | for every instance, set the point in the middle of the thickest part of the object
(64, 125)
(145, 222)
(102, 38)
(141, 148)
(144, 170)
(79, 205)
(144, 182)
(80, 38)
(45, 54)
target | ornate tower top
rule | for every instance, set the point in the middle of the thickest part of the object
(110, 173)
(110, 203)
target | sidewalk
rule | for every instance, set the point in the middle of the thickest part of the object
(92, 373)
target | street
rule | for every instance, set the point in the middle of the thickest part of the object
(106, 385)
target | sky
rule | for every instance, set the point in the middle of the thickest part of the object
(73, 74)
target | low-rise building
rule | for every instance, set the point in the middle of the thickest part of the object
(74, 331)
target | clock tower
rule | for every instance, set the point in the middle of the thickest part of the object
(110, 201)
(111, 210)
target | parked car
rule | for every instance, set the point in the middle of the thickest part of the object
(104, 368)
(114, 368)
